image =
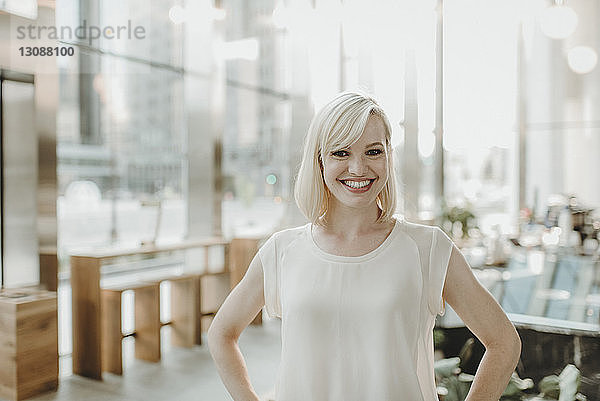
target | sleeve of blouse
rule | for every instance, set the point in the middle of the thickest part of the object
(441, 248)
(269, 259)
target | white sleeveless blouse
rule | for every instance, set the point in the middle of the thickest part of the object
(356, 328)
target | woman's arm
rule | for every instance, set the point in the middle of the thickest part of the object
(485, 318)
(236, 313)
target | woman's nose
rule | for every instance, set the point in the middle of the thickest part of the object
(356, 165)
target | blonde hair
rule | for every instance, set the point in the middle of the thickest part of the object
(339, 124)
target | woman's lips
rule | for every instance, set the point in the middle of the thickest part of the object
(358, 190)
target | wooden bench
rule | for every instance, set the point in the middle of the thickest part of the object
(185, 318)
(86, 294)
(92, 321)
(147, 324)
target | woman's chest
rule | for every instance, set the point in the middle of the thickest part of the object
(387, 285)
(350, 247)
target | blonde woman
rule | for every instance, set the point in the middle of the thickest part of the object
(357, 289)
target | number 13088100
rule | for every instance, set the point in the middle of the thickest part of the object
(46, 51)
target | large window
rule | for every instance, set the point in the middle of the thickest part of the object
(480, 105)
(121, 129)
(257, 176)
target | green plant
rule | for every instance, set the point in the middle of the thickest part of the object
(563, 387)
(458, 215)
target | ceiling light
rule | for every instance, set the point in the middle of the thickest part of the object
(582, 59)
(558, 21)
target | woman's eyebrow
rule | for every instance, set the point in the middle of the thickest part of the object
(367, 146)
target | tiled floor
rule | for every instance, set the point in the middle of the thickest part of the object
(183, 374)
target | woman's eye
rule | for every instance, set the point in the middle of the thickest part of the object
(340, 153)
(374, 152)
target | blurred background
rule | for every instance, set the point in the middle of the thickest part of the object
(169, 120)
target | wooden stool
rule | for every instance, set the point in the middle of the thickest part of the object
(147, 324)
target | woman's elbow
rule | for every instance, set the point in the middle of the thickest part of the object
(507, 346)
(516, 346)
(514, 343)
(510, 347)
(217, 336)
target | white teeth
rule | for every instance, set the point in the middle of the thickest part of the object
(357, 185)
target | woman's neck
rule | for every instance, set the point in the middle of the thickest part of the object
(346, 222)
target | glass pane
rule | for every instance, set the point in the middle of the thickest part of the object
(120, 153)
(256, 176)
(479, 111)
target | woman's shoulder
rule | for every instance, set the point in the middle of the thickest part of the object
(418, 231)
(288, 235)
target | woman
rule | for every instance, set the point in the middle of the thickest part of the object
(357, 290)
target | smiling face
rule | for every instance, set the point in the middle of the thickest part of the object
(354, 176)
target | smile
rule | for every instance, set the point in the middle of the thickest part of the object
(357, 186)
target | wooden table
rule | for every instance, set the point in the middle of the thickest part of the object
(85, 285)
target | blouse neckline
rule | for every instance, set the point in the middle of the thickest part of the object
(353, 259)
